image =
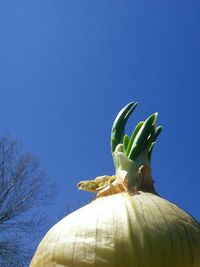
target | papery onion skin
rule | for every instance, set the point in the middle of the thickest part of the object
(123, 230)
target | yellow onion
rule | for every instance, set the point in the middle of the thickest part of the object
(128, 224)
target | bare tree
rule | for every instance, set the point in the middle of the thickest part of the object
(23, 186)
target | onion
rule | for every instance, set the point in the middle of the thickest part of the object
(128, 224)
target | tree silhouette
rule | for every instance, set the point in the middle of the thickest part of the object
(24, 186)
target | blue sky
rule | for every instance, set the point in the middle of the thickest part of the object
(67, 68)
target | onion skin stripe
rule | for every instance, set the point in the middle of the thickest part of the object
(169, 231)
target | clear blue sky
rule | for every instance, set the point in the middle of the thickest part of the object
(67, 68)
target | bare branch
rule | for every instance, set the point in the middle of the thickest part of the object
(23, 186)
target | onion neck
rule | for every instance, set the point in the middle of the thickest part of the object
(138, 175)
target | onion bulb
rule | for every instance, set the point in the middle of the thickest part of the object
(128, 224)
